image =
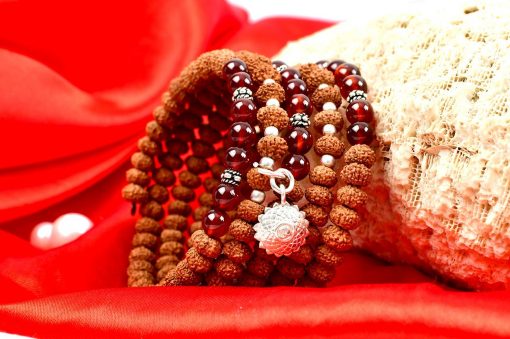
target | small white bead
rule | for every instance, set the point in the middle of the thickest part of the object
(258, 196)
(266, 162)
(273, 102)
(271, 130)
(257, 129)
(329, 106)
(323, 86)
(269, 82)
(328, 160)
(328, 129)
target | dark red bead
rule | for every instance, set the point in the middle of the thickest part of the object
(333, 65)
(289, 74)
(344, 70)
(360, 133)
(243, 110)
(233, 66)
(295, 86)
(299, 140)
(322, 63)
(299, 103)
(297, 164)
(238, 159)
(216, 223)
(278, 63)
(227, 197)
(352, 83)
(239, 79)
(242, 134)
(359, 110)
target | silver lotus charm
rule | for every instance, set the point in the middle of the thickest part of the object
(282, 229)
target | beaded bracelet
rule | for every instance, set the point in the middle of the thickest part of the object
(237, 252)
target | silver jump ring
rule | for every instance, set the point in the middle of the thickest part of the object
(282, 173)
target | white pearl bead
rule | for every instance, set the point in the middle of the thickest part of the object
(257, 129)
(267, 162)
(273, 102)
(323, 86)
(258, 196)
(269, 82)
(271, 130)
(328, 160)
(329, 106)
(328, 129)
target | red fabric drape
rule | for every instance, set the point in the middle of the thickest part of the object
(78, 82)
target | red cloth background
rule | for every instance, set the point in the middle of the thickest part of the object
(78, 81)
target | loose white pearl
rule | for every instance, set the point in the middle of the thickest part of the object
(329, 106)
(271, 130)
(328, 160)
(269, 82)
(258, 196)
(328, 129)
(323, 86)
(267, 162)
(273, 102)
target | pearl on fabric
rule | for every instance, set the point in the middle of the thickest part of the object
(273, 102)
(328, 129)
(257, 196)
(328, 160)
(329, 106)
(271, 130)
(41, 235)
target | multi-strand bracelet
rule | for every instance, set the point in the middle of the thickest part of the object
(245, 241)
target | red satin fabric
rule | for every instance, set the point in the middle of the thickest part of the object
(78, 82)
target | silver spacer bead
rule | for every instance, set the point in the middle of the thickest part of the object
(328, 129)
(328, 160)
(266, 162)
(329, 106)
(230, 176)
(323, 86)
(269, 82)
(300, 120)
(273, 102)
(257, 196)
(271, 130)
(242, 93)
(356, 95)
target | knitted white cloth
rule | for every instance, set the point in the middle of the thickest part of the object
(439, 80)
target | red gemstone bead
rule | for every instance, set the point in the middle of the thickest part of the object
(299, 140)
(289, 74)
(216, 223)
(238, 159)
(295, 86)
(333, 65)
(227, 197)
(352, 83)
(239, 79)
(322, 63)
(345, 70)
(242, 134)
(243, 110)
(360, 133)
(297, 164)
(278, 63)
(359, 110)
(299, 103)
(233, 66)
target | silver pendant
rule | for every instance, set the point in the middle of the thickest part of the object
(282, 229)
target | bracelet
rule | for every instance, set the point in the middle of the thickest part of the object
(216, 257)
